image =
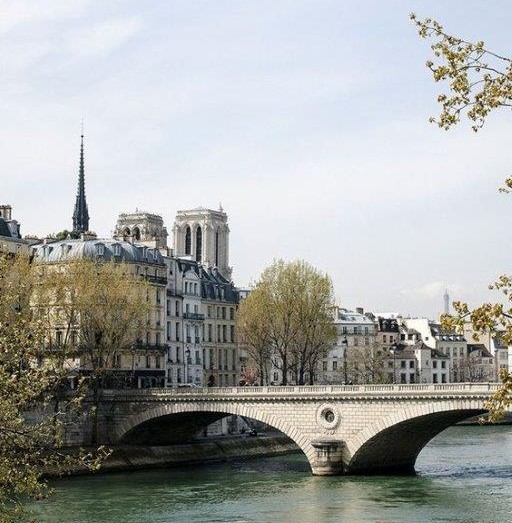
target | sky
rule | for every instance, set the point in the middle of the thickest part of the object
(306, 119)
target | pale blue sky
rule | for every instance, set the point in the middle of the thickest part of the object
(308, 120)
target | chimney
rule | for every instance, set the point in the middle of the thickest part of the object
(360, 310)
(6, 212)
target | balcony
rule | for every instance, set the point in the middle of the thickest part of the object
(149, 346)
(161, 280)
(193, 316)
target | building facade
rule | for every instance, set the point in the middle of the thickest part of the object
(203, 235)
(142, 363)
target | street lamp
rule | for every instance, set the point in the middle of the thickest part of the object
(187, 356)
(344, 343)
(393, 348)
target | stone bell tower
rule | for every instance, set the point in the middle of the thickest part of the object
(203, 235)
(143, 228)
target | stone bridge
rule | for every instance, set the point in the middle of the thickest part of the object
(358, 429)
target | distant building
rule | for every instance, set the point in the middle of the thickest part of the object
(11, 241)
(143, 228)
(143, 363)
(203, 235)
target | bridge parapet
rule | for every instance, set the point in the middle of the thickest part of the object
(351, 428)
(313, 390)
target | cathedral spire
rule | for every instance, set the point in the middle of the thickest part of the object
(81, 215)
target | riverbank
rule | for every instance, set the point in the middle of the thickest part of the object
(207, 450)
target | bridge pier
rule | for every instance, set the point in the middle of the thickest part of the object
(328, 457)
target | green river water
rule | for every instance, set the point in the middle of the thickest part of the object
(464, 476)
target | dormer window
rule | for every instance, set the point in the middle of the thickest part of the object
(100, 249)
(117, 250)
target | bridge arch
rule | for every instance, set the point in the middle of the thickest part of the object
(392, 444)
(192, 417)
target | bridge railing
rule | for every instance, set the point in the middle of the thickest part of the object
(417, 388)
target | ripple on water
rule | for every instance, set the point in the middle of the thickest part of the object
(465, 476)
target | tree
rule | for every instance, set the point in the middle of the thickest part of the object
(253, 335)
(479, 82)
(286, 320)
(366, 364)
(105, 308)
(30, 432)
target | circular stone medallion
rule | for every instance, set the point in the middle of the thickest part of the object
(327, 416)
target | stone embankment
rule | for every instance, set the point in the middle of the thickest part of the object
(136, 457)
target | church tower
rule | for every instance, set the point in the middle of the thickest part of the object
(203, 235)
(143, 228)
(81, 215)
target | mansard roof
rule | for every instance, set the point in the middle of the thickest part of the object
(388, 325)
(214, 286)
(9, 228)
(106, 250)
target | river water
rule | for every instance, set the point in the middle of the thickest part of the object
(464, 476)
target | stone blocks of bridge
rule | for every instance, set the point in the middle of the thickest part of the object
(366, 432)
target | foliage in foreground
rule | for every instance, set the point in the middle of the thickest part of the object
(479, 81)
(32, 375)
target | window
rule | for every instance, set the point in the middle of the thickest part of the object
(402, 364)
(384, 338)
(324, 366)
(117, 250)
(232, 313)
(59, 337)
(403, 377)
(232, 334)
(199, 244)
(443, 378)
(334, 365)
(100, 249)
(157, 362)
(411, 364)
(177, 331)
(148, 362)
(434, 364)
(224, 333)
(434, 378)
(210, 332)
(223, 313)
(443, 364)
(188, 241)
(177, 308)
(412, 378)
